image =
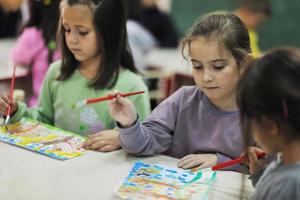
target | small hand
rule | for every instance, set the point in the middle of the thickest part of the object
(4, 104)
(255, 164)
(122, 110)
(195, 160)
(103, 141)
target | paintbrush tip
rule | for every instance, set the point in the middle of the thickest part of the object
(78, 104)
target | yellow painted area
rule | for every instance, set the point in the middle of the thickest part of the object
(36, 139)
(66, 154)
(151, 170)
(2, 129)
(14, 126)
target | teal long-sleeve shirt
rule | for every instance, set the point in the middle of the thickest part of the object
(57, 97)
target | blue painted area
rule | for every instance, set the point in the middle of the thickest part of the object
(158, 167)
(172, 171)
(171, 176)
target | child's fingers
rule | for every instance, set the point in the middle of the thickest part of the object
(257, 150)
(185, 160)
(105, 148)
(252, 156)
(5, 99)
(95, 135)
(88, 143)
(205, 165)
(98, 144)
(3, 106)
(192, 164)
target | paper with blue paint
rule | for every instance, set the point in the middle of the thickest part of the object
(43, 138)
(154, 181)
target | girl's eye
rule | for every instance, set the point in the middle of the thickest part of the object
(67, 30)
(219, 67)
(197, 65)
(83, 33)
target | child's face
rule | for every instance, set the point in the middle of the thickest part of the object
(79, 32)
(215, 71)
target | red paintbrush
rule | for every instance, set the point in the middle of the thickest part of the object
(108, 97)
(229, 163)
(12, 85)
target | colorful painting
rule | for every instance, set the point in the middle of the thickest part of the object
(43, 138)
(153, 181)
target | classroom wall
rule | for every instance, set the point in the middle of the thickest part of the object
(282, 29)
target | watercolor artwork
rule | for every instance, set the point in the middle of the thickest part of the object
(153, 181)
(43, 138)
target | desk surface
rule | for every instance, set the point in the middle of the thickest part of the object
(6, 64)
(93, 176)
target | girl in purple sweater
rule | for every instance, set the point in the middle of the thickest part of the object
(198, 124)
(36, 46)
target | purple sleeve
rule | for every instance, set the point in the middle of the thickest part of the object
(239, 168)
(154, 136)
(27, 46)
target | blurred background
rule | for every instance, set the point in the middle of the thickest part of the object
(281, 29)
(155, 28)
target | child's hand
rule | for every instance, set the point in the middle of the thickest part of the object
(255, 164)
(122, 110)
(4, 103)
(103, 141)
(195, 160)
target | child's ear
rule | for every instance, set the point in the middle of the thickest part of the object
(246, 62)
(271, 127)
(248, 58)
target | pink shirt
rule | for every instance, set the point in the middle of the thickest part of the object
(30, 49)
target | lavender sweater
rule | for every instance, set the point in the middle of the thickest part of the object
(186, 123)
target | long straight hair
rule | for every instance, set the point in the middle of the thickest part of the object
(109, 20)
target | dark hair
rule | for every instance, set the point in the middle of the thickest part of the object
(270, 88)
(257, 6)
(226, 28)
(44, 14)
(134, 9)
(109, 19)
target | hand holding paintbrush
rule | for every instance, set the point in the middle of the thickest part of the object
(7, 105)
(239, 160)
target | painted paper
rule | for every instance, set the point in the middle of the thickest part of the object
(154, 181)
(43, 138)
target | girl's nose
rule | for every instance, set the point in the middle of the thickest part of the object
(74, 38)
(206, 76)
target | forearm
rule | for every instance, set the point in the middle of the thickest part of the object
(33, 113)
(140, 140)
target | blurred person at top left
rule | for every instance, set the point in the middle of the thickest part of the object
(140, 39)
(36, 46)
(10, 17)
